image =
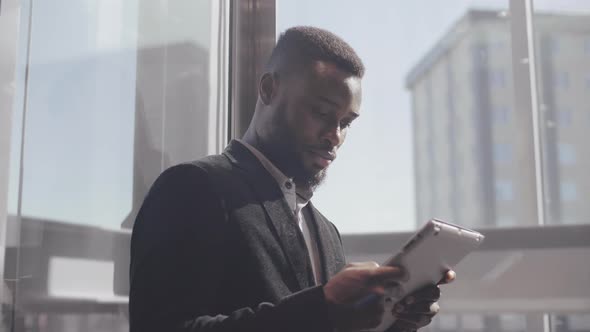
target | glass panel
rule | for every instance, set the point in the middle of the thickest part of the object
(116, 92)
(439, 135)
(14, 27)
(562, 37)
(442, 135)
(579, 322)
(506, 289)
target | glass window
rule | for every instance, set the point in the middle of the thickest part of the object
(512, 322)
(428, 169)
(498, 78)
(447, 322)
(571, 322)
(412, 96)
(115, 92)
(567, 154)
(502, 153)
(563, 80)
(568, 191)
(564, 99)
(471, 322)
(501, 115)
(506, 221)
(111, 105)
(504, 191)
(564, 117)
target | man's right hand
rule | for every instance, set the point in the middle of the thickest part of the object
(348, 290)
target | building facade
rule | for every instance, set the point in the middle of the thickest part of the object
(474, 150)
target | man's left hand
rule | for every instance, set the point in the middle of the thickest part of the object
(417, 309)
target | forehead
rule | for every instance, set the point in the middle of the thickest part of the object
(325, 79)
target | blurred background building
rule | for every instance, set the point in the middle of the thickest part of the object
(473, 148)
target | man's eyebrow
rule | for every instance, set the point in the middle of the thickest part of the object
(327, 100)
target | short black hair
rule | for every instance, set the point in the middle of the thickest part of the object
(303, 44)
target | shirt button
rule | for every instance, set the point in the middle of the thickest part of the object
(288, 185)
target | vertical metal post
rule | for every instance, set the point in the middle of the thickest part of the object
(9, 28)
(526, 99)
(525, 88)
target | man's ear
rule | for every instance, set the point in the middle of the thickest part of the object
(267, 88)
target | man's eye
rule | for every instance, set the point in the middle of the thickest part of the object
(345, 124)
(319, 113)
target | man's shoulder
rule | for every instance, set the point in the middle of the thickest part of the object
(212, 166)
(212, 163)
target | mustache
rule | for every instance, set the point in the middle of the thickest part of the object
(327, 146)
(326, 150)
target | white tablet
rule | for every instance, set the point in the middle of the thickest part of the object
(437, 247)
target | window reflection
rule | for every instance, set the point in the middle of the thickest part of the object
(115, 92)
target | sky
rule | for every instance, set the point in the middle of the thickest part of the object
(79, 135)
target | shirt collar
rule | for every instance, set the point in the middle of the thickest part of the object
(297, 197)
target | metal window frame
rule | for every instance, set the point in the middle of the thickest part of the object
(9, 24)
(252, 38)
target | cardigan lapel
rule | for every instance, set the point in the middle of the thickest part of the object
(329, 244)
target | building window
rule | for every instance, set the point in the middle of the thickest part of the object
(568, 191)
(448, 322)
(472, 322)
(562, 80)
(499, 46)
(566, 153)
(498, 78)
(554, 46)
(578, 321)
(501, 114)
(502, 153)
(504, 191)
(505, 221)
(564, 118)
(458, 165)
(512, 322)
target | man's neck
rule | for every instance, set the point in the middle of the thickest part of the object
(255, 141)
(258, 143)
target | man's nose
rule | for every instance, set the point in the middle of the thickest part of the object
(333, 134)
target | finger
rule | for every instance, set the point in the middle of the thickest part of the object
(386, 274)
(421, 308)
(428, 293)
(374, 298)
(449, 277)
(362, 265)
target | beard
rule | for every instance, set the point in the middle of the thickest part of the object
(284, 156)
(283, 153)
(311, 181)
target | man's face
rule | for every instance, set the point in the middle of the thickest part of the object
(314, 110)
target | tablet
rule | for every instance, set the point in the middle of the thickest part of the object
(434, 249)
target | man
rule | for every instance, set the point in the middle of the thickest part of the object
(232, 243)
